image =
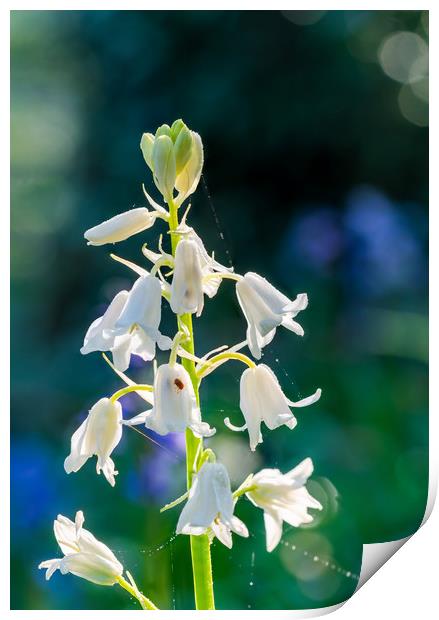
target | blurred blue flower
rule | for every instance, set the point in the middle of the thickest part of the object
(384, 254)
(378, 246)
(157, 475)
(34, 482)
(315, 239)
(132, 403)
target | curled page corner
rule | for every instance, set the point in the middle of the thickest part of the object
(375, 555)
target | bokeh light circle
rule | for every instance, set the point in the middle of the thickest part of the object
(400, 56)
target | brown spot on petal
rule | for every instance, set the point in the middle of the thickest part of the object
(179, 383)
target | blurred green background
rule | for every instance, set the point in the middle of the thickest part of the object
(316, 142)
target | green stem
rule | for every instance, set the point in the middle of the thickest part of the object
(200, 545)
(130, 388)
(224, 357)
(145, 603)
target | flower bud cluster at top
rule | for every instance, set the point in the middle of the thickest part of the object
(175, 157)
(131, 326)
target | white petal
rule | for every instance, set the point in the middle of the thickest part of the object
(254, 341)
(98, 336)
(201, 508)
(222, 532)
(273, 530)
(94, 568)
(51, 565)
(301, 472)
(291, 422)
(120, 227)
(272, 297)
(251, 405)
(272, 402)
(79, 452)
(89, 544)
(164, 342)
(143, 306)
(192, 530)
(143, 343)
(239, 527)
(211, 286)
(122, 352)
(309, 400)
(220, 483)
(293, 326)
(108, 470)
(137, 419)
(232, 427)
(187, 286)
(299, 304)
(202, 429)
(255, 308)
(65, 534)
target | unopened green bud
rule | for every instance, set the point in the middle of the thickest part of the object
(187, 180)
(163, 165)
(176, 127)
(146, 146)
(183, 148)
(163, 130)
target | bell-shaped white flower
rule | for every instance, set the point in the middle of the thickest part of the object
(283, 497)
(265, 308)
(84, 555)
(175, 406)
(97, 436)
(130, 325)
(194, 272)
(262, 400)
(121, 227)
(187, 282)
(209, 266)
(210, 506)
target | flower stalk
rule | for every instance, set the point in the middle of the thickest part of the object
(225, 357)
(130, 326)
(145, 602)
(130, 388)
(200, 545)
